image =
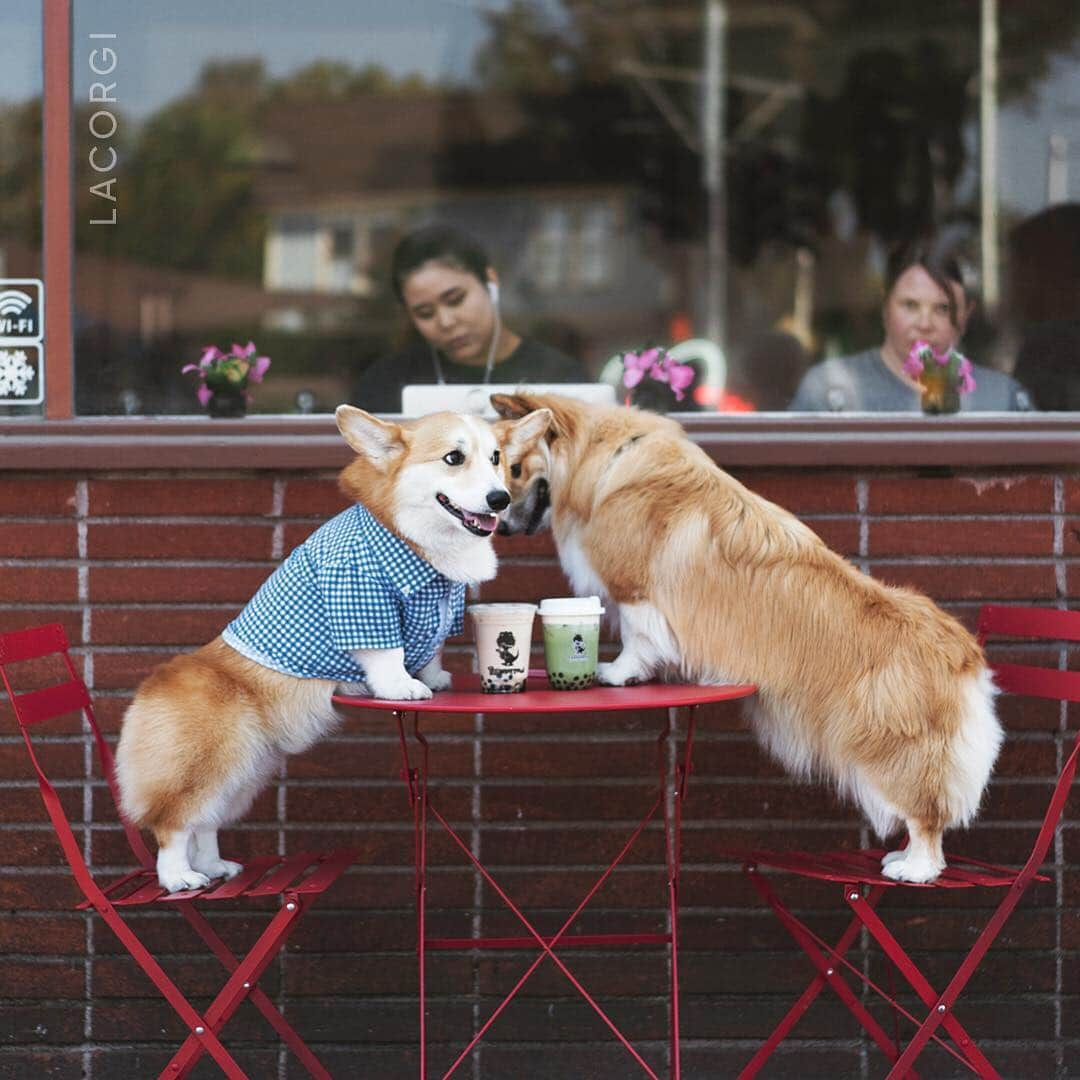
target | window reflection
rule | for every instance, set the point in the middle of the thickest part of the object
(268, 165)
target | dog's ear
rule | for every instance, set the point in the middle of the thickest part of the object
(565, 411)
(518, 437)
(512, 406)
(379, 441)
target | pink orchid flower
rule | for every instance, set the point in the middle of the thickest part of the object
(637, 365)
(679, 377)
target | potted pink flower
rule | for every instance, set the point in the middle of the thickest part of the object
(656, 380)
(224, 378)
(942, 376)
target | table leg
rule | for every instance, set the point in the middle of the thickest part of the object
(416, 781)
(674, 771)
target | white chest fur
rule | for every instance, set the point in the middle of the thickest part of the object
(576, 566)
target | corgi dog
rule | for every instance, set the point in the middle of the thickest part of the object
(871, 687)
(367, 601)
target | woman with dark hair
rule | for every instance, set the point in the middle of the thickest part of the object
(450, 291)
(926, 299)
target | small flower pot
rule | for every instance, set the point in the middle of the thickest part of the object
(940, 392)
(224, 404)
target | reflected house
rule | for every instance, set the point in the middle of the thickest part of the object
(342, 181)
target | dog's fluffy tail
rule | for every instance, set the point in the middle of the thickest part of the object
(975, 747)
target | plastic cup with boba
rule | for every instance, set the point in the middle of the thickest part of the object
(503, 638)
(571, 640)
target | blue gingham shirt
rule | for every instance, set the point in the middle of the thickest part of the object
(351, 585)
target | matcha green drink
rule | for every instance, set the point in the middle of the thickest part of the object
(571, 640)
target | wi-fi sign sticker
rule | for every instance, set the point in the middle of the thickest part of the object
(21, 309)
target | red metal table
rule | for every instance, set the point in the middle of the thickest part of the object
(672, 772)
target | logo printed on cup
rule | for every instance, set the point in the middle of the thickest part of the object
(571, 640)
(503, 634)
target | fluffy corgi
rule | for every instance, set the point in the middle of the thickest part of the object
(367, 601)
(869, 686)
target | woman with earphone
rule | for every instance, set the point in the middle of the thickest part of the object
(450, 291)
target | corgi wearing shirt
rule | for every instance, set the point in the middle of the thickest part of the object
(368, 600)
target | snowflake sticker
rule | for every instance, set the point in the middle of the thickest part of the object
(17, 373)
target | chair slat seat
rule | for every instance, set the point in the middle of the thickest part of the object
(863, 867)
(267, 875)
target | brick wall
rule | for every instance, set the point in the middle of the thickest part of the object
(139, 565)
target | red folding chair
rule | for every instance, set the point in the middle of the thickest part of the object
(298, 879)
(863, 886)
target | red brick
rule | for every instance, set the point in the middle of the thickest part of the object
(43, 979)
(313, 498)
(1072, 580)
(177, 584)
(556, 847)
(1072, 537)
(211, 497)
(24, 804)
(568, 758)
(841, 534)
(974, 494)
(24, 618)
(110, 711)
(42, 497)
(121, 1062)
(520, 545)
(968, 581)
(38, 541)
(61, 761)
(167, 540)
(40, 891)
(39, 584)
(526, 582)
(55, 1064)
(124, 670)
(818, 492)
(1072, 493)
(158, 626)
(43, 936)
(333, 759)
(295, 533)
(62, 1022)
(962, 536)
(369, 803)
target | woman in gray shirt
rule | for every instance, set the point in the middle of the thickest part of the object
(925, 300)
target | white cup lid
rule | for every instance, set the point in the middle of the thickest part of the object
(494, 611)
(571, 605)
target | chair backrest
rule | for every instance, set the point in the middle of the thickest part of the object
(1047, 625)
(62, 698)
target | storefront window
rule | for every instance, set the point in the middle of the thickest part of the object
(244, 172)
(21, 381)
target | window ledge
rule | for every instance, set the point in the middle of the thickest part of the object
(312, 442)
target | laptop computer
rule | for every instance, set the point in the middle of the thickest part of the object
(418, 399)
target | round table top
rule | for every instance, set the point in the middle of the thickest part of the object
(467, 697)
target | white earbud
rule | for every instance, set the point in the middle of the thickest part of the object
(493, 292)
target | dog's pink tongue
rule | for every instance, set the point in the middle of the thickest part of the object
(487, 522)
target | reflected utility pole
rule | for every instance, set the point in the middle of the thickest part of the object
(988, 153)
(712, 142)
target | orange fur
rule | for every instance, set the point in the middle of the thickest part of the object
(860, 682)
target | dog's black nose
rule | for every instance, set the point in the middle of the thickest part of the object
(498, 499)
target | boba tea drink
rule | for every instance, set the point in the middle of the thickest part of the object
(571, 640)
(503, 637)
